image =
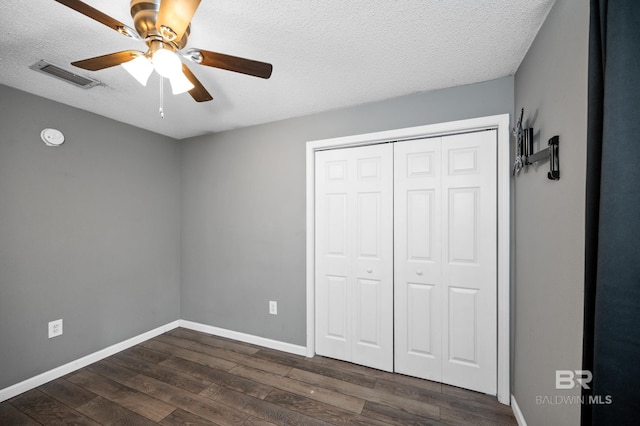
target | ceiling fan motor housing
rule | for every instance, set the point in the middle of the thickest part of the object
(144, 14)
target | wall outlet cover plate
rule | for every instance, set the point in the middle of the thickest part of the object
(55, 328)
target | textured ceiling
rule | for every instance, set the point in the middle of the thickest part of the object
(326, 54)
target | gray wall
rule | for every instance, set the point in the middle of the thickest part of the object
(89, 232)
(243, 200)
(551, 85)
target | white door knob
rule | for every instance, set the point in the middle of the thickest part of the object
(369, 270)
(418, 272)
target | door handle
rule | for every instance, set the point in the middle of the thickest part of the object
(418, 272)
(369, 270)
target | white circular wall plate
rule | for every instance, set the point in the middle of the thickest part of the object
(52, 137)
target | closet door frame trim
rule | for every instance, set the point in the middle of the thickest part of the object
(498, 122)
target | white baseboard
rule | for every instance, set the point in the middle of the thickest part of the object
(72, 366)
(517, 413)
(47, 376)
(247, 338)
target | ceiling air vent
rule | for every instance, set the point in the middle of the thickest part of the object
(65, 75)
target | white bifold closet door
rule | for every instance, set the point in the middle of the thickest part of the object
(445, 281)
(406, 257)
(354, 255)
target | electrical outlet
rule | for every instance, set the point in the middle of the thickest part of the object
(273, 307)
(55, 328)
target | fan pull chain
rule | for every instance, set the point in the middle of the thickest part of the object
(161, 98)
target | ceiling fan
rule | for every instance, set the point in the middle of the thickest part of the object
(164, 25)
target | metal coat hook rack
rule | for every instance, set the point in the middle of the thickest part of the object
(525, 155)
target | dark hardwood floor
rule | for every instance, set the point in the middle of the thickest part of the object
(187, 377)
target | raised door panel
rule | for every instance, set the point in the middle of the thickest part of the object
(463, 335)
(464, 225)
(336, 225)
(420, 217)
(368, 313)
(368, 226)
(420, 306)
(336, 308)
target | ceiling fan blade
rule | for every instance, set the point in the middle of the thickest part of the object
(106, 61)
(103, 18)
(198, 93)
(176, 15)
(235, 64)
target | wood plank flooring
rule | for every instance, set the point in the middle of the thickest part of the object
(184, 377)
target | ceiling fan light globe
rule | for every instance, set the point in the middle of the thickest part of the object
(180, 84)
(140, 68)
(166, 63)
